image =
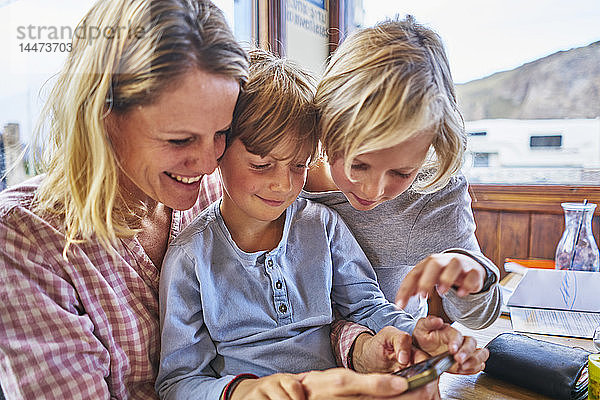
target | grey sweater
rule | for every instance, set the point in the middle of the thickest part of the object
(399, 233)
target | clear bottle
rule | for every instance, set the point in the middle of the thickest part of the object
(578, 237)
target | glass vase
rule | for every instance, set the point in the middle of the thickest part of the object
(577, 249)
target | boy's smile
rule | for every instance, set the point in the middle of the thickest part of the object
(257, 190)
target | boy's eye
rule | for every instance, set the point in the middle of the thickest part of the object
(300, 167)
(260, 166)
(359, 167)
(401, 174)
(223, 132)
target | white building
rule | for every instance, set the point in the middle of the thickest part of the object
(14, 166)
(560, 151)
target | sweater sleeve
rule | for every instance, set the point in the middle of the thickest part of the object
(447, 222)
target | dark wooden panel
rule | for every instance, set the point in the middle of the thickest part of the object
(514, 235)
(544, 199)
(529, 218)
(546, 230)
(277, 27)
(487, 233)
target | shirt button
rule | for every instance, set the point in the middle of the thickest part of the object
(269, 263)
(278, 285)
(282, 308)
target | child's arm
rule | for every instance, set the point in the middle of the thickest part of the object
(465, 278)
(355, 290)
(358, 298)
(186, 346)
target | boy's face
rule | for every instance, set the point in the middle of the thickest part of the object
(382, 175)
(260, 189)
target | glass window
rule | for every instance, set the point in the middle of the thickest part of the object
(307, 39)
(526, 82)
(481, 159)
(545, 142)
(35, 38)
(244, 26)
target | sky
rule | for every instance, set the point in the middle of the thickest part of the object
(479, 40)
(483, 37)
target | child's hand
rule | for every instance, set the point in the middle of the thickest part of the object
(388, 351)
(442, 272)
(272, 387)
(434, 336)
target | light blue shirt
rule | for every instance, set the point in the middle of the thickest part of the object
(224, 311)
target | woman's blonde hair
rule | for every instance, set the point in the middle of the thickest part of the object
(124, 54)
(276, 106)
(385, 84)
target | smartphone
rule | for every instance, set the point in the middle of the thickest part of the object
(426, 371)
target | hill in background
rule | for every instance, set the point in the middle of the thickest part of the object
(565, 84)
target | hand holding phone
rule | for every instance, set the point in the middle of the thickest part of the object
(426, 371)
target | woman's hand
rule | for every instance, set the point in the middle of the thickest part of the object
(388, 351)
(442, 272)
(435, 336)
(341, 383)
(272, 387)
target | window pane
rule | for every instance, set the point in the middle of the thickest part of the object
(243, 26)
(27, 69)
(554, 141)
(307, 22)
(527, 76)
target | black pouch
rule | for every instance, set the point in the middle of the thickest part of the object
(548, 368)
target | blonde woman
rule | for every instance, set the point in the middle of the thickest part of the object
(394, 140)
(137, 117)
(136, 120)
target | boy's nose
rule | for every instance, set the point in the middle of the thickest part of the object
(282, 182)
(373, 188)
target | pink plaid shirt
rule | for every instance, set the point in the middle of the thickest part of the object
(86, 328)
(343, 334)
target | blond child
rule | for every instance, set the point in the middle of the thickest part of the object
(246, 290)
(395, 140)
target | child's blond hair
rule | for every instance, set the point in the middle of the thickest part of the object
(276, 106)
(385, 84)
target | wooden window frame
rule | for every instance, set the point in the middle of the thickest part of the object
(531, 198)
(337, 23)
(272, 26)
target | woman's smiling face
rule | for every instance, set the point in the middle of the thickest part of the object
(165, 148)
(382, 175)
